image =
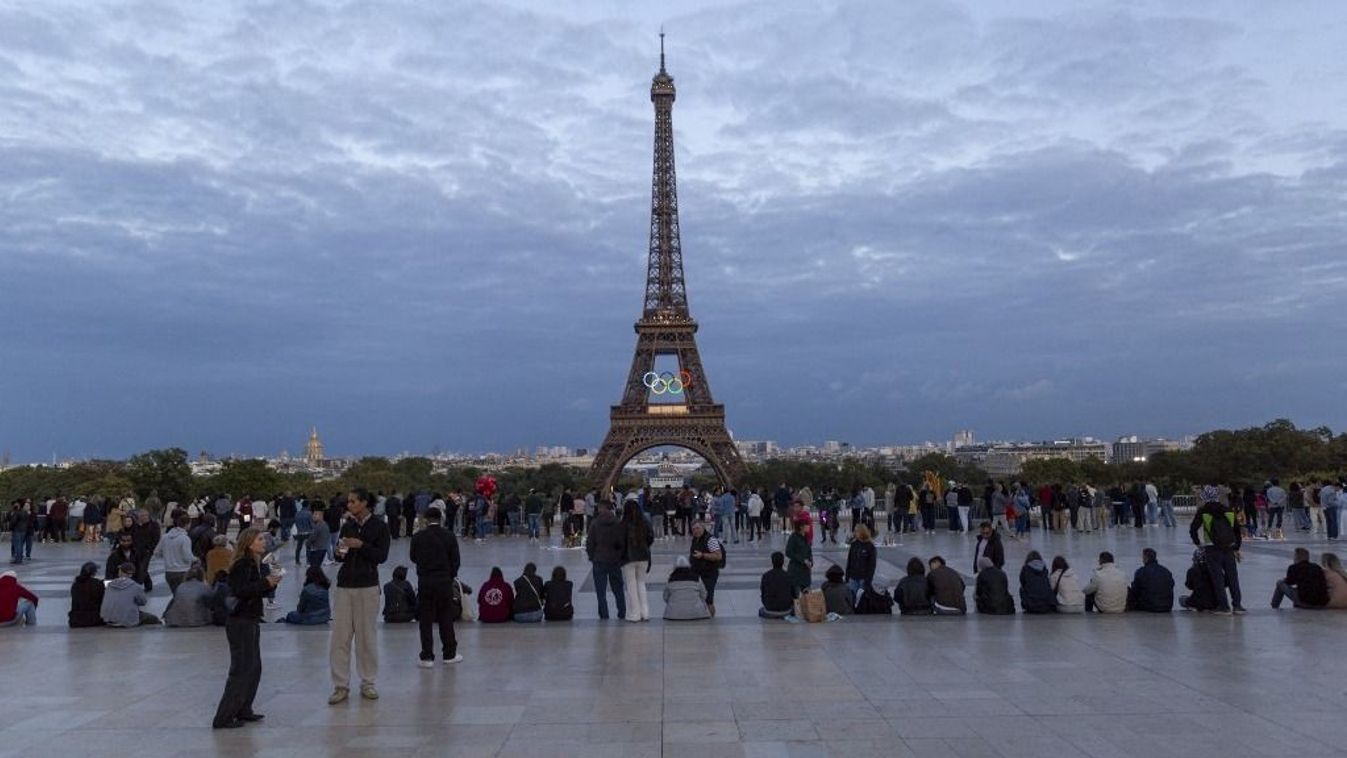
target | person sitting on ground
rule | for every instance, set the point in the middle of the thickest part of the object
(190, 605)
(1305, 584)
(123, 599)
(777, 590)
(220, 557)
(399, 598)
(684, 594)
(913, 593)
(86, 598)
(18, 604)
(946, 589)
(123, 552)
(1036, 594)
(1152, 589)
(1336, 579)
(1106, 591)
(528, 596)
(1070, 598)
(836, 595)
(557, 597)
(1198, 581)
(315, 604)
(991, 590)
(495, 598)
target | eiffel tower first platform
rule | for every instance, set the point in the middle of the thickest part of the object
(672, 406)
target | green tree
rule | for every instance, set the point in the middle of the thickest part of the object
(1050, 471)
(250, 476)
(165, 471)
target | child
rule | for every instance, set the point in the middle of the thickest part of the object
(557, 597)
(399, 598)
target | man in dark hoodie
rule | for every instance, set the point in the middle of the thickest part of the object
(605, 545)
(1218, 525)
(399, 598)
(1036, 593)
(144, 538)
(946, 589)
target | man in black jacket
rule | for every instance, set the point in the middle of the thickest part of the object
(1305, 584)
(1152, 587)
(989, 546)
(606, 545)
(144, 538)
(434, 551)
(777, 591)
(1217, 523)
(355, 599)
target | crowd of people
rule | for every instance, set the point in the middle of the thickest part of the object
(231, 583)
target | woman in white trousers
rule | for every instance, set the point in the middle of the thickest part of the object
(636, 562)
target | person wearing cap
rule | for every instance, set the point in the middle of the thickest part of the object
(1217, 524)
(799, 555)
(18, 604)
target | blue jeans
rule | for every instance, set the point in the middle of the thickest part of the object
(1302, 518)
(1150, 512)
(1167, 513)
(25, 612)
(286, 525)
(854, 587)
(300, 539)
(535, 524)
(604, 575)
(1330, 521)
(481, 525)
(16, 546)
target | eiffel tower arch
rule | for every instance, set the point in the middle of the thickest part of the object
(666, 407)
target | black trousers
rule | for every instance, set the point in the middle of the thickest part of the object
(245, 670)
(436, 607)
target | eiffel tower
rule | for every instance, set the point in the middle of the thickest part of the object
(665, 407)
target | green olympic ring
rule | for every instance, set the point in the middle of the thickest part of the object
(666, 382)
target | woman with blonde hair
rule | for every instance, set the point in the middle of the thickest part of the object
(247, 587)
(861, 561)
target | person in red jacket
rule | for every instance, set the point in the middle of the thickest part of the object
(495, 598)
(18, 605)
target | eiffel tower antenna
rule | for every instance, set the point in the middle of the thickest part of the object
(664, 408)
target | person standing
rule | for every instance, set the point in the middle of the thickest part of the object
(606, 544)
(1276, 506)
(800, 555)
(988, 546)
(707, 558)
(248, 587)
(862, 558)
(355, 601)
(1330, 500)
(636, 562)
(726, 505)
(144, 538)
(20, 523)
(176, 550)
(1215, 521)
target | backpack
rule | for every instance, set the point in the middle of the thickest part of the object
(874, 601)
(1221, 531)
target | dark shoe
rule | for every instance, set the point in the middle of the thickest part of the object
(250, 717)
(230, 724)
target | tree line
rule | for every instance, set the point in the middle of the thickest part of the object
(1237, 457)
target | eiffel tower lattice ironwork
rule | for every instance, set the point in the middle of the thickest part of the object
(678, 410)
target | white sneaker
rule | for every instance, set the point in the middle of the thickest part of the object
(458, 658)
(425, 664)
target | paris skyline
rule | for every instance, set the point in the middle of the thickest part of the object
(418, 226)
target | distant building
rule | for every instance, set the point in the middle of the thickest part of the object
(313, 451)
(666, 474)
(1006, 459)
(963, 438)
(1134, 449)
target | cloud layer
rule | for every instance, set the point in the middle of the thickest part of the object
(418, 225)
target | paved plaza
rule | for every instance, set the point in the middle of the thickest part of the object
(1267, 684)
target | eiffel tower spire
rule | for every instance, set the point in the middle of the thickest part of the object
(666, 294)
(665, 407)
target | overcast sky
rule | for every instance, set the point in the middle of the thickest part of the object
(422, 224)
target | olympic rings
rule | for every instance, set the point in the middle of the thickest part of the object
(667, 382)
